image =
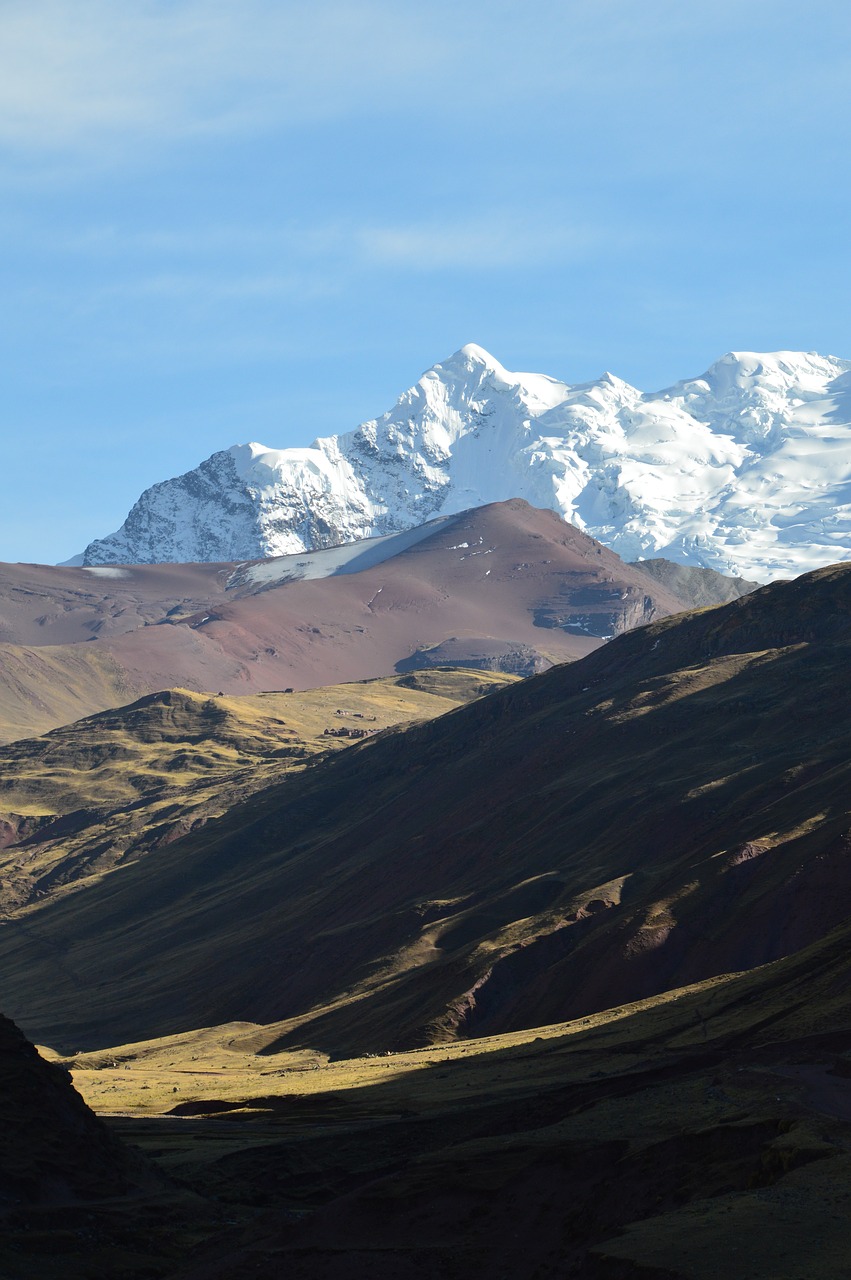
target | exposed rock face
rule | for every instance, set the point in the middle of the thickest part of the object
(743, 470)
(600, 609)
(481, 655)
(209, 511)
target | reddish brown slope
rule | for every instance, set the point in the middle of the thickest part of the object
(524, 577)
(500, 577)
(56, 604)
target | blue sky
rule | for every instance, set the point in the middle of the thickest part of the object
(263, 220)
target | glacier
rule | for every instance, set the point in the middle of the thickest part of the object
(745, 469)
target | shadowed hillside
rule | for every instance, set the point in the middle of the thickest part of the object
(709, 1125)
(670, 808)
(663, 1141)
(697, 588)
(74, 1200)
(53, 1149)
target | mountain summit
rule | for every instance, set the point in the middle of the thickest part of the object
(745, 470)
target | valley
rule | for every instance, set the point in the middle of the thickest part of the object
(442, 971)
(655, 1138)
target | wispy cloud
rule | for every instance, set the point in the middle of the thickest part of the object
(488, 242)
(503, 238)
(115, 241)
(227, 287)
(73, 74)
(107, 79)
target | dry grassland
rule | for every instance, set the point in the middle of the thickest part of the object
(128, 780)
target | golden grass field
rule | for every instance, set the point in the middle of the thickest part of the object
(142, 775)
(710, 1123)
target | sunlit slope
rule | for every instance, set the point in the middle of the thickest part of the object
(45, 685)
(708, 1122)
(99, 793)
(802, 998)
(672, 807)
(506, 586)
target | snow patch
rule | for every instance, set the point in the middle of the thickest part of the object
(351, 557)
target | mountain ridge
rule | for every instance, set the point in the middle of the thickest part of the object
(743, 470)
(503, 579)
(668, 809)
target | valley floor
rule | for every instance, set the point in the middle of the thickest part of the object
(704, 1132)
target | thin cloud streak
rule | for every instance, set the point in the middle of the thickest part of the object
(76, 76)
(506, 239)
(94, 77)
(224, 289)
(474, 245)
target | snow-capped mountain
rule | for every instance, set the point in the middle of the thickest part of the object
(745, 470)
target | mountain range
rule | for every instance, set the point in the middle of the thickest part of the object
(667, 809)
(555, 983)
(502, 587)
(744, 469)
(478, 903)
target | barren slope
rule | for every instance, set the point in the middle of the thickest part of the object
(670, 808)
(509, 581)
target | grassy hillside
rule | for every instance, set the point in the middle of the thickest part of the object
(55, 684)
(670, 808)
(99, 793)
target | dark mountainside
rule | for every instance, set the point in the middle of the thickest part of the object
(70, 1190)
(668, 809)
(52, 1149)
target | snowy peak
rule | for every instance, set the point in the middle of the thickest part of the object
(756, 397)
(473, 376)
(471, 365)
(469, 357)
(788, 371)
(745, 469)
